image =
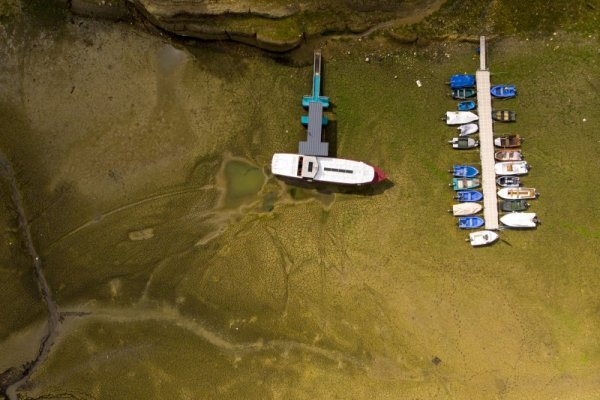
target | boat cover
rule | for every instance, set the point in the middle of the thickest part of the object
(519, 220)
(463, 209)
(460, 117)
(467, 129)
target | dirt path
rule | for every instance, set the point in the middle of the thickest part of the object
(7, 172)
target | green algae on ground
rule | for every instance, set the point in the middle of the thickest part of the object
(244, 181)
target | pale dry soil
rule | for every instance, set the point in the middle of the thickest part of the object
(144, 169)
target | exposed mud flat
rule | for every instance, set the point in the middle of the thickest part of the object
(188, 271)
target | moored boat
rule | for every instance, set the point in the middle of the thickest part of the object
(470, 222)
(464, 171)
(464, 209)
(514, 205)
(459, 81)
(508, 141)
(325, 169)
(463, 143)
(508, 181)
(464, 183)
(466, 105)
(508, 155)
(460, 117)
(520, 220)
(465, 196)
(503, 91)
(511, 168)
(482, 238)
(467, 129)
(463, 94)
(504, 116)
(520, 193)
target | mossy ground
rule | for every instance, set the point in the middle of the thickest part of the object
(315, 295)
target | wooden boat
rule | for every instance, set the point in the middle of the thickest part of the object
(470, 222)
(482, 238)
(509, 141)
(508, 155)
(519, 193)
(509, 181)
(463, 94)
(504, 116)
(513, 205)
(465, 183)
(460, 117)
(465, 196)
(464, 209)
(511, 168)
(460, 81)
(467, 129)
(519, 220)
(503, 91)
(463, 143)
(466, 106)
(464, 171)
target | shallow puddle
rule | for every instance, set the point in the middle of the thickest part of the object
(244, 181)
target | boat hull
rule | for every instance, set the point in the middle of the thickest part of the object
(465, 196)
(520, 220)
(517, 193)
(470, 222)
(466, 209)
(482, 238)
(511, 168)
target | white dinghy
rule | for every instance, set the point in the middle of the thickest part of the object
(464, 209)
(460, 117)
(520, 220)
(467, 129)
(482, 238)
(511, 168)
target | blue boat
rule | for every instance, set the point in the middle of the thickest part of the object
(465, 171)
(503, 91)
(468, 195)
(460, 81)
(470, 222)
(466, 105)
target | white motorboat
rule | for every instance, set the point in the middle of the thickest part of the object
(520, 220)
(325, 169)
(517, 193)
(467, 129)
(482, 238)
(511, 168)
(460, 117)
(464, 209)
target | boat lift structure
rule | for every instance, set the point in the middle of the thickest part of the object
(315, 120)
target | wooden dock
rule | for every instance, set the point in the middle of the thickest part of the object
(486, 141)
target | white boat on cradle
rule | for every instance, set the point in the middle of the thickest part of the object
(464, 209)
(460, 117)
(325, 169)
(467, 129)
(520, 220)
(511, 168)
(482, 238)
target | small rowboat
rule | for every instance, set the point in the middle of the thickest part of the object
(517, 193)
(509, 181)
(511, 168)
(467, 129)
(466, 105)
(470, 222)
(462, 143)
(464, 209)
(520, 220)
(460, 81)
(464, 171)
(513, 205)
(464, 183)
(504, 116)
(508, 141)
(482, 238)
(503, 91)
(463, 94)
(468, 196)
(460, 117)
(508, 155)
